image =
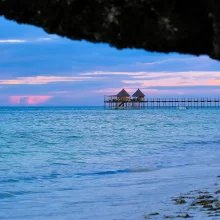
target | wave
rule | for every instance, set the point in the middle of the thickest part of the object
(30, 178)
(202, 142)
(56, 175)
(112, 172)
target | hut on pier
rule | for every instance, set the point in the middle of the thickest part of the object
(124, 101)
(138, 96)
(123, 96)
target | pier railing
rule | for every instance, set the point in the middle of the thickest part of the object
(115, 103)
(183, 102)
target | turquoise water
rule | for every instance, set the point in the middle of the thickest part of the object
(90, 163)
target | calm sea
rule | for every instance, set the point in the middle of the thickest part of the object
(90, 163)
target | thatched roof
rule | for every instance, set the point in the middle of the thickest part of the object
(138, 93)
(123, 93)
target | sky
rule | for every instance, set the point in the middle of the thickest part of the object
(38, 69)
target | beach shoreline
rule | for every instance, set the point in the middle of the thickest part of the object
(200, 203)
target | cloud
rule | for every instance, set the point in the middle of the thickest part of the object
(103, 73)
(160, 78)
(30, 100)
(214, 82)
(44, 39)
(36, 80)
(157, 74)
(190, 78)
(30, 40)
(166, 83)
(12, 41)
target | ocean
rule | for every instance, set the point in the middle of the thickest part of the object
(91, 163)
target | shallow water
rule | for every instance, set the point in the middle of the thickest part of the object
(90, 163)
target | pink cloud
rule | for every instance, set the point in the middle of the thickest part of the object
(15, 99)
(34, 100)
(30, 100)
(37, 80)
(214, 82)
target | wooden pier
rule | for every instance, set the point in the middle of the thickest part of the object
(138, 101)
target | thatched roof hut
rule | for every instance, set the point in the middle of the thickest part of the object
(138, 93)
(123, 93)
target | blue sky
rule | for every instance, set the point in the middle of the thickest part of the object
(41, 69)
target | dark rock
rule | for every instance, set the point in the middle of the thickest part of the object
(208, 213)
(193, 204)
(155, 213)
(213, 209)
(217, 192)
(184, 216)
(180, 201)
(168, 216)
(188, 197)
(205, 197)
(206, 202)
(175, 26)
(208, 206)
(214, 215)
(217, 204)
(203, 192)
